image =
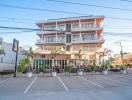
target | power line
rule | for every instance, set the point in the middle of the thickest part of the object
(12, 18)
(57, 11)
(85, 4)
(19, 28)
(126, 0)
(40, 9)
(16, 21)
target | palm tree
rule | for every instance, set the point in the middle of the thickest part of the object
(103, 53)
(54, 53)
(79, 55)
(30, 55)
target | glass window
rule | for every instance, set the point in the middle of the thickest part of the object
(61, 38)
(51, 38)
(68, 38)
(75, 37)
(75, 25)
(61, 27)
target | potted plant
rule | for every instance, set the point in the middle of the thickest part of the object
(42, 69)
(67, 68)
(29, 68)
(22, 67)
(93, 67)
(105, 69)
(54, 53)
(30, 54)
(123, 69)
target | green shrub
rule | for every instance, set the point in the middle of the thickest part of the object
(87, 69)
(68, 67)
(42, 68)
(123, 67)
(22, 65)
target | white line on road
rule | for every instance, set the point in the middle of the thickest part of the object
(124, 77)
(4, 80)
(91, 82)
(27, 89)
(114, 80)
(63, 83)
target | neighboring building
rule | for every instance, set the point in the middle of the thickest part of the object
(127, 59)
(7, 61)
(69, 35)
(9, 56)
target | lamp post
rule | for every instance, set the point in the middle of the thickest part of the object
(121, 52)
(15, 49)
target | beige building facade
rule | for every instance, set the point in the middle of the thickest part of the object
(68, 35)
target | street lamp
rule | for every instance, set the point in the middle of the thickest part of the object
(121, 51)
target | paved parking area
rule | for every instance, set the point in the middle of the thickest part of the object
(88, 86)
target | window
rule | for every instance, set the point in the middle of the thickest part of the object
(68, 38)
(61, 27)
(68, 27)
(86, 37)
(91, 37)
(85, 25)
(68, 48)
(61, 38)
(75, 38)
(75, 25)
(51, 27)
(51, 39)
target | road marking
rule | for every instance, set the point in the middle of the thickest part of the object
(4, 80)
(27, 89)
(114, 80)
(124, 77)
(91, 82)
(63, 83)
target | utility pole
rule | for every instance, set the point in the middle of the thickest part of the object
(121, 53)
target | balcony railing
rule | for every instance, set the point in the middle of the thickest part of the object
(58, 41)
(94, 40)
(54, 30)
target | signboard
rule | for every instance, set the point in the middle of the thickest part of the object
(15, 45)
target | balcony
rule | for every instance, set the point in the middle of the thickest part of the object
(87, 40)
(62, 30)
(47, 42)
(86, 29)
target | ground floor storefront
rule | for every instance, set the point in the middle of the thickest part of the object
(58, 61)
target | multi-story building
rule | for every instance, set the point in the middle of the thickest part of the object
(69, 35)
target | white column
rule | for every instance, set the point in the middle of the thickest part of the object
(38, 62)
(95, 23)
(56, 26)
(56, 37)
(34, 63)
(45, 62)
(42, 26)
(80, 36)
(61, 64)
(79, 24)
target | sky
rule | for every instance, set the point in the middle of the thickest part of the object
(115, 30)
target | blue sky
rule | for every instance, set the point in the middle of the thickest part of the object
(110, 25)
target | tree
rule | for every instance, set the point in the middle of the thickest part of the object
(30, 55)
(54, 53)
(2, 52)
(79, 55)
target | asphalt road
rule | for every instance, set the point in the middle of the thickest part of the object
(86, 87)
